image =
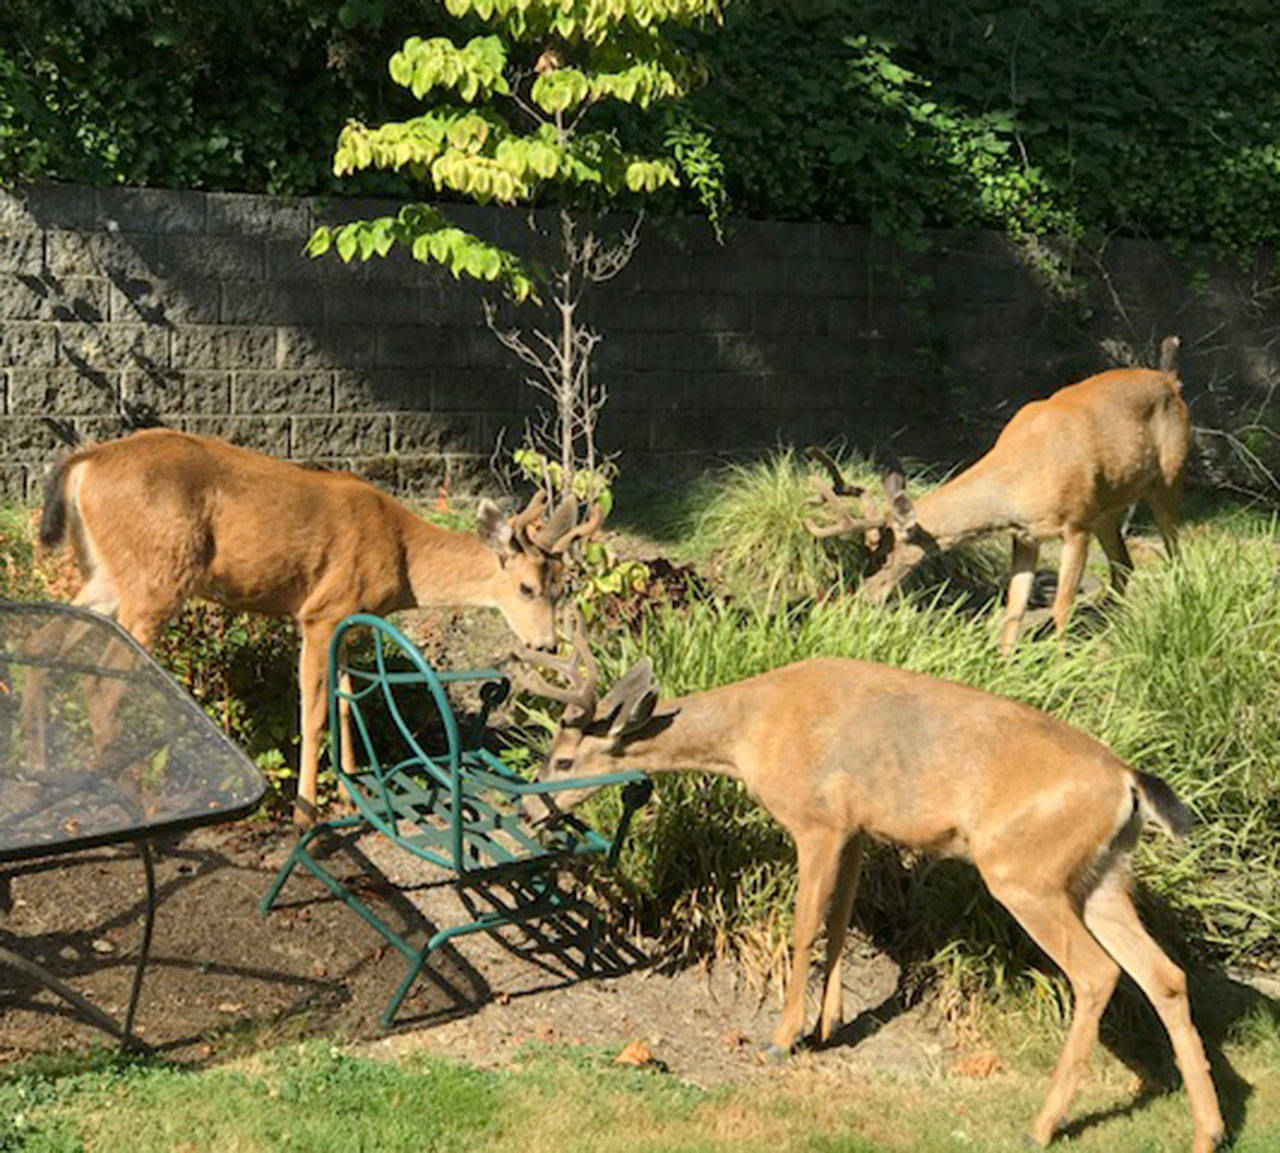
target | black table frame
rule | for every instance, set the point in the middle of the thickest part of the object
(140, 835)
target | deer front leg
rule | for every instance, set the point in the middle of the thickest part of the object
(818, 860)
(1075, 548)
(837, 927)
(313, 682)
(1025, 553)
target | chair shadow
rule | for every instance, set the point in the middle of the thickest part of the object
(555, 945)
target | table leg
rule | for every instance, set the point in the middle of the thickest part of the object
(87, 1007)
(144, 949)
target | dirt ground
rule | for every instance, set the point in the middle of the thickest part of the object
(222, 977)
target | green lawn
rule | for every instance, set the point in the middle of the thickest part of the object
(320, 1097)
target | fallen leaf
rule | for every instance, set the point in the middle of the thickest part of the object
(981, 1064)
(102, 945)
(735, 1040)
(502, 998)
(635, 1053)
(544, 1031)
(229, 1006)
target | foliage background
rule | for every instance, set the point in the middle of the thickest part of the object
(1088, 118)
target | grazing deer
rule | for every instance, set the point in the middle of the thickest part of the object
(161, 516)
(1062, 467)
(839, 750)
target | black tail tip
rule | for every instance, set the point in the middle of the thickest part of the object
(53, 521)
(1164, 803)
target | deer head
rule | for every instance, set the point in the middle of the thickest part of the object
(530, 554)
(894, 536)
(593, 732)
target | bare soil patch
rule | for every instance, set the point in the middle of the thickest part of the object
(222, 977)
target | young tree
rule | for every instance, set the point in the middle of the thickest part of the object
(529, 114)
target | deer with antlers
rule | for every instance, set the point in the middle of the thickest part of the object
(1065, 467)
(161, 516)
(839, 750)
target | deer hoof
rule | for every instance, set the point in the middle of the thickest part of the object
(773, 1053)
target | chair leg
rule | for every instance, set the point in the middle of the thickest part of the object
(415, 968)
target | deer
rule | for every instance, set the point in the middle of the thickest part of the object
(840, 750)
(160, 516)
(1066, 466)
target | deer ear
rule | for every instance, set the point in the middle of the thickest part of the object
(494, 530)
(901, 511)
(635, 716)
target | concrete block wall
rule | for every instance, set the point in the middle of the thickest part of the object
(125, 307)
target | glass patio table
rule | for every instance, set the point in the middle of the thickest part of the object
(100, 746)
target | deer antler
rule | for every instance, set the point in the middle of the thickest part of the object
(560, 531)
(594, 519)
(579, 669)
(521, 522)
(829, 496)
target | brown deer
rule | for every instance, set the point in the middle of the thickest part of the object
(161, 516)
(840, 750)
(1062, 467)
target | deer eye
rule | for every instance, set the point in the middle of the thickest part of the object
(562, 764)
(526, 590)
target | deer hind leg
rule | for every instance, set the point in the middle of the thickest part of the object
(1113, 920)
(819, 856)
(103, 694)
(837, 926)
(313, 681)
(1053, 923)
(1163, 503)
(1107, 529)
(1075, 549)
(1025, 553)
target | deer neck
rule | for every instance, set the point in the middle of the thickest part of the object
(443, 567)
(699, 738)
(975, 503)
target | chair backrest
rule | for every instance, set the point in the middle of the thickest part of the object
(381, 674)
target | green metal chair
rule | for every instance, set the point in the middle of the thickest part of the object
(457, 807)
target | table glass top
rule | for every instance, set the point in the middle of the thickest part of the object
(98, 743)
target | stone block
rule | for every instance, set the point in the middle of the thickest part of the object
(462, 389)
(370, 303)
(29, 438)
(268, 434)
(286, 261)
(216, 257)
(28, 344)
(115, 255)
(244, 214)
(191, 392)
(49, 205)
(14, 479)
(422, 346)
(287, 391)
(165, 302)
(266, 302)
(354, 435)
(113, 346)
(21, 252)
(150, 210)
(383, 389)
(417, 433)
(210, 346)
(63, 391)
(32, 297)
(328, 346)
